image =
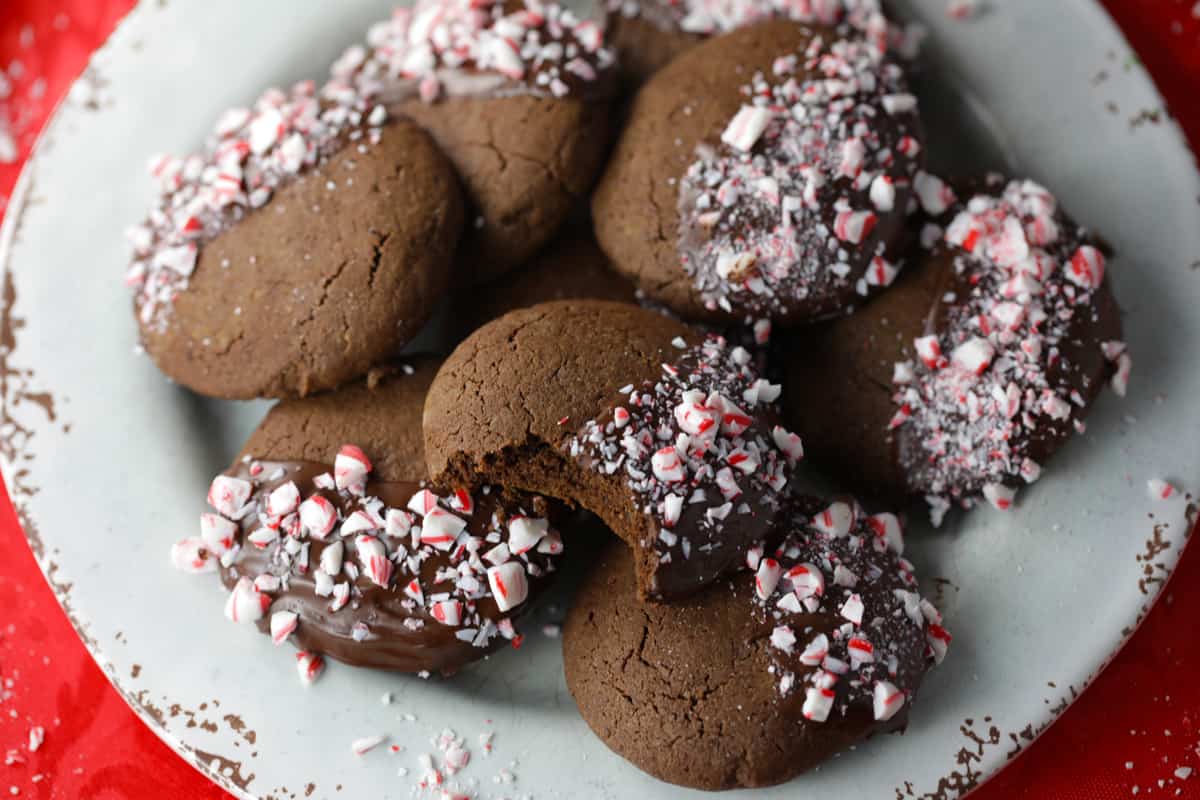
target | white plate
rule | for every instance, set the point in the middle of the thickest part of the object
(1038, 599)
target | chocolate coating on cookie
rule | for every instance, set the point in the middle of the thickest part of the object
(978, 364)
(291, 257)
(762, 175)
(667, 436)
(365, 562)
(516, 96)
(748, 684)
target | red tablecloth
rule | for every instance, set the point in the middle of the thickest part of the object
(1133, 733)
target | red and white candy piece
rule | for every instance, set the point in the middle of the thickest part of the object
(413, 589)
(888, 531)
(807, 580)
(1086, 267)
(973, 356)
(938, 639)
(217, 532)
(766, 578)
(788, 443)
(309, 666)
(397, 523)
(667, 465)
(525, 532)
(861, 652)
(1160, 489)
(929, 350)
(818, 702)
(374, 559)
(283, 500)
(854, 226)
(283, 625)
(933, 193)
(332, 557)
(447, 612)
(886, 700)
(747, 125)
(836, 520)
(362, 520)
(816, 651)
(246, 603)
(509, 584)
(441, 528)
(318, 516)
(365, 745)
(999, 495)
(853, 609)
(228, 495)
(350, 468)
(423, 502)
(883, 193)
(192, 555)
(783, 638)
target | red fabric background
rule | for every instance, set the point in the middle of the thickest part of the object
(1143, 711)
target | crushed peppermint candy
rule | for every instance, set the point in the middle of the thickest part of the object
(794, 209)
(472, 47)
(330, 540)
(880, 635)
(251, 153)
(698, 452)
(711, 17)
(994, 387)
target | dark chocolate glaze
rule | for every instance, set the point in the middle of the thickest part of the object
(403, 636)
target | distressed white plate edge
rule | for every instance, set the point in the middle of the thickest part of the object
(1166, 136)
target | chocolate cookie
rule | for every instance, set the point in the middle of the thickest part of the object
(349, 552)
(666, 435)
(763, 174)
(976, 366)
(572, 267)
(648, 34)
(307, 242)
(764, 675)
(517, 96)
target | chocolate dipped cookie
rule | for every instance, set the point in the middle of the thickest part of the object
(976, 366)
(306, 243)
(765, 174)
(667, 435)
(516, 95)
(818, 644)
(346, 549)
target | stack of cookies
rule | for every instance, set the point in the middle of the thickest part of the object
(662, 257)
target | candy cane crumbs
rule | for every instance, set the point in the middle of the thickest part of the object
(712, 17)
(438, 48)
(782, 208)
(694, 438)
(365, 546)
(251, 153)
(865, 660)
(993, 376)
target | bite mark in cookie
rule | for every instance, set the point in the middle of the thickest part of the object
(667, 436)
